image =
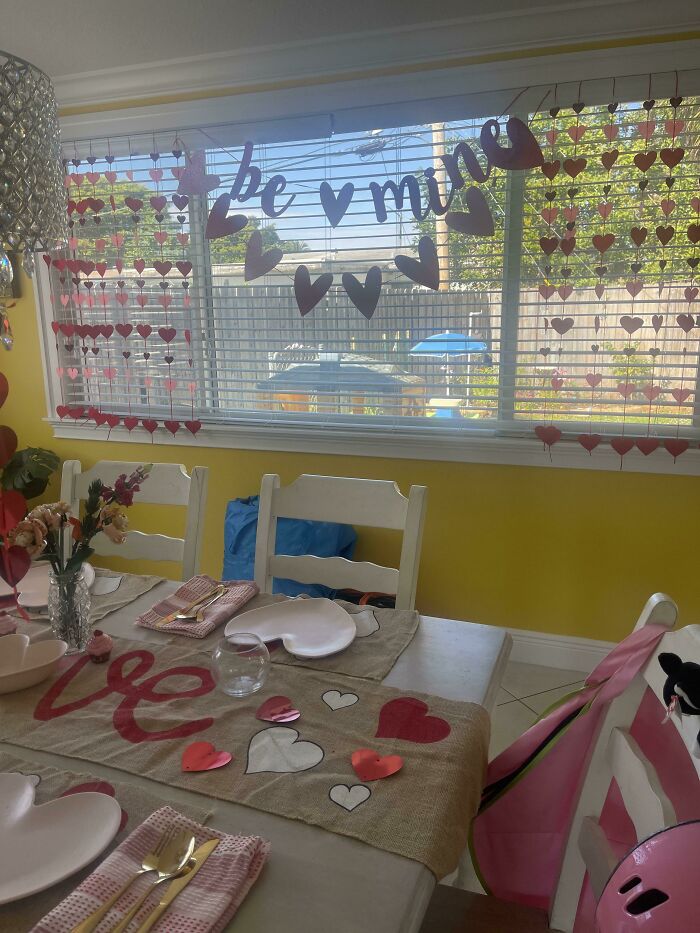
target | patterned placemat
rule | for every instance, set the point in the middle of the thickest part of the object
(136, 803)
(142, 709)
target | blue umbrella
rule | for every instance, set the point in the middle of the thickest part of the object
(446, 345)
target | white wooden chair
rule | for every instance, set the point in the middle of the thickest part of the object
(167, 484)
(371, 502)
(615, 754)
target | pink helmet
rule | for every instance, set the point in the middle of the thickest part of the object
(655, 887)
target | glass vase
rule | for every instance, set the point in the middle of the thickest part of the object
(69, 608)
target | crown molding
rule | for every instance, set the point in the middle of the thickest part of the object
(521, 34)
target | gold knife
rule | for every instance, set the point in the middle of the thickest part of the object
(199, 857)
(189, 607)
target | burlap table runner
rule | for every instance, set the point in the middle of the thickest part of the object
(137, 804)
(141, 710)
(382, 635)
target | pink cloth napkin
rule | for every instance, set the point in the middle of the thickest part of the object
(206, 905)
(239, 593)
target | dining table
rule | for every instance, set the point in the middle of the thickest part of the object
(317, 880)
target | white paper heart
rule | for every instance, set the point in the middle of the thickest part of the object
(365, 622)
(349, 797)
(337, 700)
(279, 749)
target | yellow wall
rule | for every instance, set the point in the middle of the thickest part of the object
(572, 552)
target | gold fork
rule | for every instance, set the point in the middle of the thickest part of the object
(150, 863)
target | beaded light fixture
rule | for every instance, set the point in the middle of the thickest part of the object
(32, 196)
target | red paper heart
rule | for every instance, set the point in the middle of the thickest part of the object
(609, 158)
(14, 564)
(406, 718)
(277, 709)
(631, 324)
(167, 333)
(676, 446)
(193, 426)
(162, 268)
(202, 756)
(370, 766)
(680, 395)
(149, 424)
(626, 389)
(622, 445)
(562, 324)
(589, 441)
(645, 160)
(123, 330)
(144, 330)
(603, 241)
(548, 244)
(8, 444)
(172, 426)
(219, 224)
(548, 434)
(130, 423)
(647, 445)
(574, 167)
(594, 379)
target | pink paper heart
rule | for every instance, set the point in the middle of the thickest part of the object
(129, 174)
(674, 127)
(551, 136)
(64, 299)
(59, 371)
(160, 236)
(165, 301)
(667, 206)
(191, 386)
(570, 213)
(202, 756)
(170, 384)
(549, 214)
(187, 301)
(604, 209)
(110, 373)
(634, 287)
(611, 131)
(142, 300)
(651, 392)
(117, 240)
(565, 291)
(594, 379)
(183, 239)
(277, 709)
(646, 129)
(577, 132)
(546, 291)
(100, 245)
(111, 177)
(72, 243)
(72, 373)
(626, 389)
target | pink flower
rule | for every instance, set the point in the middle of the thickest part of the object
(29, 534)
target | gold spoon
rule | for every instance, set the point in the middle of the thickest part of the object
(173, 859)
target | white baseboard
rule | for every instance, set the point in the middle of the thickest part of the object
(563, 651)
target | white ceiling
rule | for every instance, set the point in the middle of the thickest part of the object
(68, 37)
(73, 36)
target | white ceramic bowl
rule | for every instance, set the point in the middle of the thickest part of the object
(23, 664)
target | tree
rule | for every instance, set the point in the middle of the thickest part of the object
(232, 249)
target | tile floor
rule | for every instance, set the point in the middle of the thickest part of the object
(526, 692)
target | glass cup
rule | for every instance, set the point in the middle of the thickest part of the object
(240, 664)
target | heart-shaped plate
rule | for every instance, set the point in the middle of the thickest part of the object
(23, 664)
(308, 628)
(45, 844)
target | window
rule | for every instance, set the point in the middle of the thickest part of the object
(576, 313)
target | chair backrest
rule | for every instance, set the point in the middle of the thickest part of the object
(371, 502)
(167, 484)
(615, 754)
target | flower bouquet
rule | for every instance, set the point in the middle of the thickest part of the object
(49, 532)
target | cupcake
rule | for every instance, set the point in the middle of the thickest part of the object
(99, 647)
(8, 625)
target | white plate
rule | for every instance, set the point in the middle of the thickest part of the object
(34, 587)
(23, 664)
(309, 628)
(43, 845)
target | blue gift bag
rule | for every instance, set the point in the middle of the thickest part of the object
(294, 536)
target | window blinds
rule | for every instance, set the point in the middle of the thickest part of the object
(577, 315)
